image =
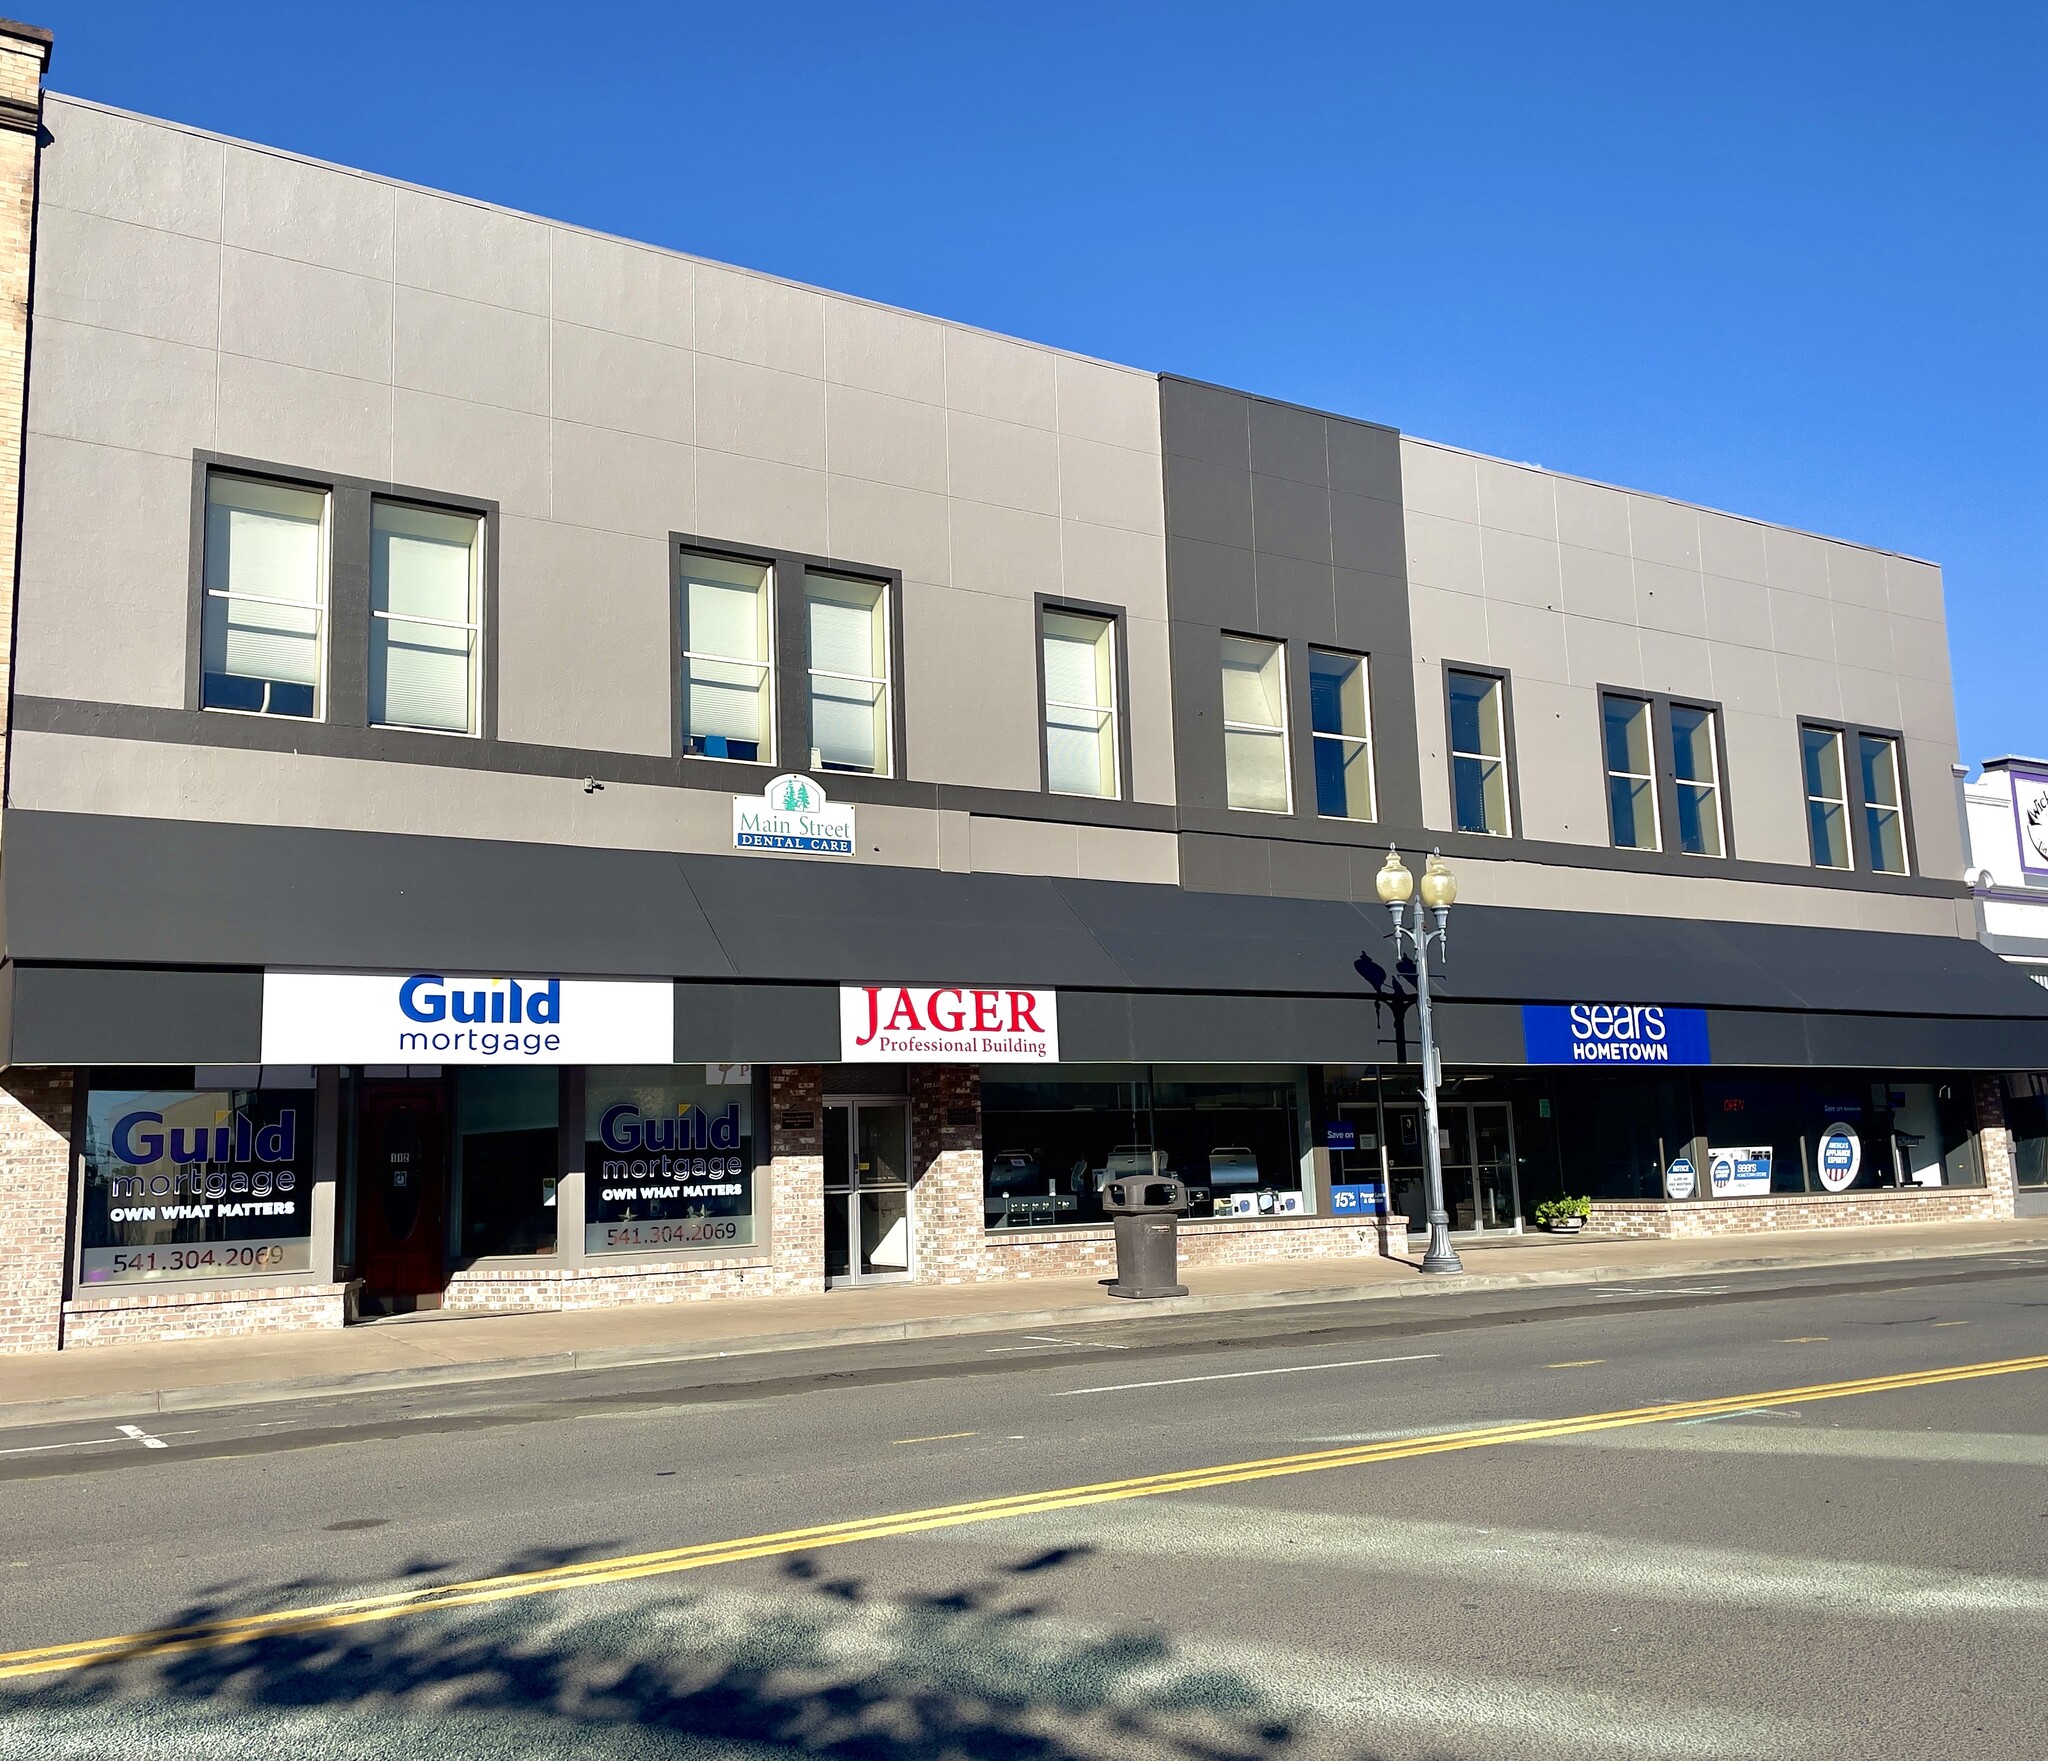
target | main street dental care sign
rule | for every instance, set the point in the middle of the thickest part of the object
(947, 1024)
(461, 1018)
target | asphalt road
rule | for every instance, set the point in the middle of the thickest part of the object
(1338, 1532)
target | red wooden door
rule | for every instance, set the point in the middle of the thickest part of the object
(402, 1189)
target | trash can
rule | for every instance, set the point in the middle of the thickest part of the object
(1147, 1213)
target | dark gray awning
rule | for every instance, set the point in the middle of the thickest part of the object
(159, 897)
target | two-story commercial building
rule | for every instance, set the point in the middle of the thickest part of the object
(542, 770)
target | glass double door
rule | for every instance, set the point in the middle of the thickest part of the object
(1480, 1189)
(867, 1191)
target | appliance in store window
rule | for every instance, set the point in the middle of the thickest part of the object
(1017, 1193)
(1233, 1167)
(1128, 1159)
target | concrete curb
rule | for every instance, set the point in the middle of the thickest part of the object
(15, 1415)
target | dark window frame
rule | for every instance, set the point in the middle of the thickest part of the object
(1117, 619)
(1664, 764)
(1509, 755)
(1854, 799)
(789, 659)
(347, 682)
(1305, 780)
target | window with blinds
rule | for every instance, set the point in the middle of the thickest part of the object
(728, 686)
(1080, 704)
(426, 595)
(848, 633)
(1255, 725)
(263, 626)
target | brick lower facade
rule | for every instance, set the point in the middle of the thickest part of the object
(165, 1312)
(35, 1206)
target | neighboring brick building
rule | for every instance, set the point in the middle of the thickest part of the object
(580, 775)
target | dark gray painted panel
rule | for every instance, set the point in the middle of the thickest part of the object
(757, 1023)
(1289, 442)
(1205, 422)
(1226, 453)
(1290, 518)
(58, 1015)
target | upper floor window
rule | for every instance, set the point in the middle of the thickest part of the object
(1827, 796)
(1631, 773)
(1479, 753)
(1080, 703)
(1884, 817)
(426, 598)
(1255, 724)
(264, 627)
(727, 671)
(849, 648)
(1696, 775)
(1340, 724)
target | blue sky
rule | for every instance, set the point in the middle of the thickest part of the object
(1790, 260)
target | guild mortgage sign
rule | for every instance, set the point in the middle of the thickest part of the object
(1613, 1033)
(947, 1024)
(453, 1018)
(792, 815)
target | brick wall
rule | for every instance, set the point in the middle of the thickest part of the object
(945, 1160)
(35, 1198)
(24, 51)
(1994, 1145)
(167, 1313)
(796, 1176)
(1796, 1210)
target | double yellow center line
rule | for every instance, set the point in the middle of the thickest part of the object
(363, 1610)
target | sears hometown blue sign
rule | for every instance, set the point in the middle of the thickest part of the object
(1613, 1033)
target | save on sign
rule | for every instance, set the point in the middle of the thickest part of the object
(947, 1024)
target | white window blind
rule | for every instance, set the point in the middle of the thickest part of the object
(425, 598)
(849, 649)
(727, 709)
(262, 629)
(1080, 704)
(1254, 725)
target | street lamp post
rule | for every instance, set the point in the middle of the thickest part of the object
(1439, 892)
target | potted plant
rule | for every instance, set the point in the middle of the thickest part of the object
(1564, 1216)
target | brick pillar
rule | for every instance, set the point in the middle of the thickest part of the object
(1994, 1146)
(35, 1194)
(945, 1154)
(24, 53)
(796, 1135)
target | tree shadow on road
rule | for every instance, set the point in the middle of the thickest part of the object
(816, 1663)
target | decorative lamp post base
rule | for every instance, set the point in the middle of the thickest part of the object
(1440, 1256)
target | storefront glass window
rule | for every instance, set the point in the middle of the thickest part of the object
(507, 1160)
(2026, 1117)
(669, 1161)
(1054, 1138)
(196, 1183)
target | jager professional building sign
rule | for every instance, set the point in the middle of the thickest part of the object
(452, 1018)
(792, 815)
(947, 1024)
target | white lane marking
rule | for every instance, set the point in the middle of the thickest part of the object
(1760, 1412)
(1045, 1344)
(139, 1435)
(1087, 1344)
(43, 1448)
(1356, 1363)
